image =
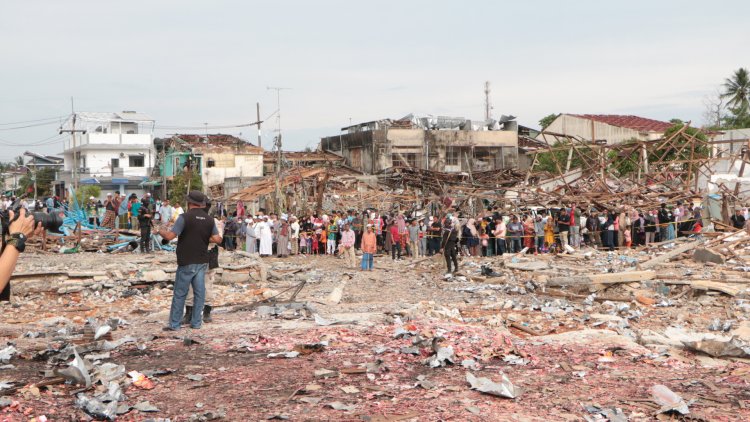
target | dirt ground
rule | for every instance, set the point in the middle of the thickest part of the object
(362, 339)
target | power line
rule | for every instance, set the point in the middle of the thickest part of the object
(32, 121)
(46, 141)
(204, 127)
(28, 126)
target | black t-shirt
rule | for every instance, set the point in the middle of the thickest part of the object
(194, 228)
(563, 222)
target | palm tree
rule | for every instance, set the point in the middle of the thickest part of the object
(737, 90)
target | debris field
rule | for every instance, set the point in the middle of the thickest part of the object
(652, 333)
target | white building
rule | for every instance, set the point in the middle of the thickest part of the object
(613, 128)
(731, 153)
(115, 151)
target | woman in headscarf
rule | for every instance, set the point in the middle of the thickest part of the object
(528, 232)
(402, 230)
(549, 232)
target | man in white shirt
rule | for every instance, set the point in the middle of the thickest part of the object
(165, 211)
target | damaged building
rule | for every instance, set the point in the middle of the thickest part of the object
(444, 144)
(226, 163)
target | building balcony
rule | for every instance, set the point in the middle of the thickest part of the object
(109, 141)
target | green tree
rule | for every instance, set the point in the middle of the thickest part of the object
(676, 152)
(86, 191)
(626, 159)
(737, 90)
(555, 161)
(547, 120)
(178, 187)
(44, 179)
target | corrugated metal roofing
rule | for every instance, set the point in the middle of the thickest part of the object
(631, 122)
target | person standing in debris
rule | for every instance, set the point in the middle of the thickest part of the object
(347, 246)
(738, 220)
(610, 230)
(539, 233)
(213, 264)
(230, 234)
(563, 224)
(50, 203)
(144, 221)
(501, 230)
(470, 237)
(515, 229)
(422, 238)
(91, 212)
(331, 232)
(413, 232)
(575, 226)
(528, 233)
(395, 241)
(263, 232)
(594, 229)
(449, 244)
(165, 211)
(294, 238)
(177, 211)
(282, 248)
(250, 240)
(110, 213)
(651, 224)
(194, 230)
(134, 207)
(369, 248)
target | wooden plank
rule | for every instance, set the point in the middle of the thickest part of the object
(719, 287)
(669, 255)
(603, 279)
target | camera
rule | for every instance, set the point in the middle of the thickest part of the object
(50, 222)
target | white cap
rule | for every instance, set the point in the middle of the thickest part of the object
(91, 197)
(247, 220)
(109, 194)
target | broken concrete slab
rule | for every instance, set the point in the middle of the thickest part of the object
(155, 276)
(704, 255)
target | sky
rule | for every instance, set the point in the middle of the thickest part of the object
(187, 62)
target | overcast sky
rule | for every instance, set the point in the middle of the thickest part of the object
(188, 62)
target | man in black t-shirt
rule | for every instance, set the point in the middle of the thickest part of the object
(738, 220)
(195, 229)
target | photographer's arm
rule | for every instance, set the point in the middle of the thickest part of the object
(24, 224)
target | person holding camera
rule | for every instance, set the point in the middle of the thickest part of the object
(21, 227)
(194, 230)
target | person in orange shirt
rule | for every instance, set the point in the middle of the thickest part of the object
(369, 247)
(323, 240)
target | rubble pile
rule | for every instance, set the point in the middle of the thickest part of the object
(654, 332)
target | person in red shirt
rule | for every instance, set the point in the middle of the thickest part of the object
(395, 242)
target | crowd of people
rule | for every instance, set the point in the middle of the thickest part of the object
(453, 233)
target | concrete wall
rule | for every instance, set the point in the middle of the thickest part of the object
(374, 151)
(229, 164)
(576, 126)
(98, 161)
(93, 138)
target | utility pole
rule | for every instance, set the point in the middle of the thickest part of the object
(487, 105)
(73, 132)
(257, 111)
(277, 145)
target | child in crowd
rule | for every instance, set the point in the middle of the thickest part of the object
(626, 235)
(316, 242)
(303, 243)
